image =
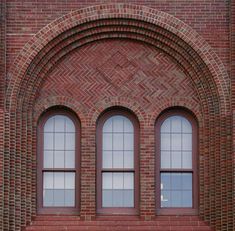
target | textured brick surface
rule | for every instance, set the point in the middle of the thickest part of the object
(117, 54)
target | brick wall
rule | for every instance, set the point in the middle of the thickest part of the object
(172, 65)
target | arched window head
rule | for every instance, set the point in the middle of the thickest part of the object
(176, 138)
(58, 167)
(117, 171)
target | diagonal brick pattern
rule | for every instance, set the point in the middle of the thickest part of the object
(118, 68)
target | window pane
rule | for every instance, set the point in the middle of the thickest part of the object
(176, 199)
(48, 197)
(49, 125)
(187, 199)
(48, 141)
(117, 141)
(128, 181)
(108, 125)
(70, 159)
(166, 142)
(107, 181)
(118, 180)
(69, 180)
(128, 200)
(59, 123)
(166, 126)
(187, 159)
(176, 124)
(107, 142)
(187, 127)
(176, 160)
(117, 198)
(176, 142)
(59, 159)
(69, 125)
(48, 180)
(70, 141)
(128, 159)
(176, 181)
(187, 181)
(165, 159)
(165, 181)
(107, 198)
(48, 159)
(107, 159)
(118, 124)
(69, 198)
(59, 197)
(128, 142)
(59, 180)
(117, 159)
(165, 198)
(128, 127)
(187, 142)
(59, 141)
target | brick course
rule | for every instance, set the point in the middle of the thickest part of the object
(125, 55)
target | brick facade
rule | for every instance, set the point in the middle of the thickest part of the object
(146, 56)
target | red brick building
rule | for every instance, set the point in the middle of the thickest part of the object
(117, 115)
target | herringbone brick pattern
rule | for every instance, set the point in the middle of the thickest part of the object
(118, 68)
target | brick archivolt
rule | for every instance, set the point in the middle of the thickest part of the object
(119, 21)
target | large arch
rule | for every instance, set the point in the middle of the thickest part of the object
(91, 24)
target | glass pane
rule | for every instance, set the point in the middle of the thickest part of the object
(59, 180)
(128, 142)
(69, 125)
(117, 159)
(165, 198)
(117, 123)
(175, 124)
(187, 142)
(69, 159)
(69, 180)
(48, 197)
(166, 142)
(69, 198)
(107, 181)
(48, 141)
(165, 181)
(107, 159)
(117, 141)
(59, 123)
(176, 160)
(187, 181)
(108, 126)
(176, 199)
(49, 125)
(118, 180)
(59, 159)
(128, 180)
(59, 141)
(59, 197)
(187, 199)
(165, 159)
(128, 126)
(48, 159)
(187, 159)
(48, 180)
(70, 141)
(107, 142)
(128, 159)
(187, 128)
(176, 181)
(128, 200)
(107, 198)
(176, 142)
(117, 198)
(166, 126)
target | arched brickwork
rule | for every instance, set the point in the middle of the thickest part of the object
(120, 21)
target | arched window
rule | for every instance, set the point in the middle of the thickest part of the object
(58, 163)
(176, 145)
(117, 163)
